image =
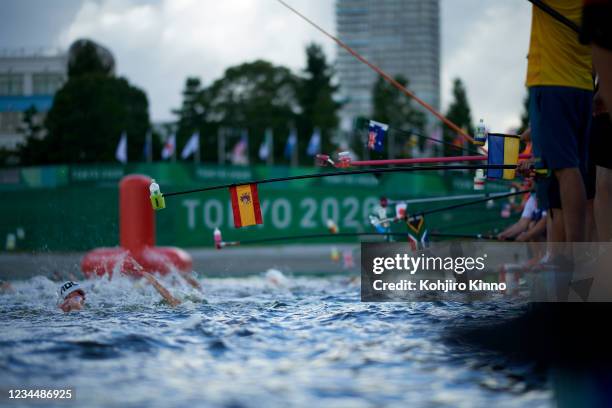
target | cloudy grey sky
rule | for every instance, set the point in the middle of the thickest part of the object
(158, 43)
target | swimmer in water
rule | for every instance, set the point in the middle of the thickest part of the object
(73, 297)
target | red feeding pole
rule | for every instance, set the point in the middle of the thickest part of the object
(345, 162)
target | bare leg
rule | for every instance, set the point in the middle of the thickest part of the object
(555, 232)
(591, 225)
(603, 203)
(602, 60)
(557, 225)
(573, 201)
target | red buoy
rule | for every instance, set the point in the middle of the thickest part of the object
(137, 252)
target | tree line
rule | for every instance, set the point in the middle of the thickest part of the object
(94, 107)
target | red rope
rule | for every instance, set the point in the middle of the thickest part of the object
(423, 160)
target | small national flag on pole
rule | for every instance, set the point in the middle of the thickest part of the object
(192, 146)
(147, 150)
(291, 144)
(240, 152)
(121, 152)
(418, 235)
(502, 150)
(245, 205)
(376, 136)
(266, 146)
(314, 145)
(169, 147)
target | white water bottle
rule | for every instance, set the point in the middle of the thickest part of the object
(218, 238)
(479, 180)
(481, 134)
(157, 198)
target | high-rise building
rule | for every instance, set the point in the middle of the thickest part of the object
(400, 36)
(27, 79)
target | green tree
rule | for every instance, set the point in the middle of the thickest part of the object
(88, 115)
(254, 96)
(390, 105)
(459, 113)
(31, 130)
(88, 58)
(316, 92)
(192, 117)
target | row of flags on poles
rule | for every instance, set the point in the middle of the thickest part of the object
(239, 153)
(192, 147)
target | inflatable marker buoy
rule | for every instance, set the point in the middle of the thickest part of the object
(157, 198)
(137, 252)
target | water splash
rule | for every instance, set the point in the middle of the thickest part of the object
(262, 340)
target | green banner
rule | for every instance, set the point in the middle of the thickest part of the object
(66, 208)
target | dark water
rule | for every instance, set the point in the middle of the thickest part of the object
(262, 341)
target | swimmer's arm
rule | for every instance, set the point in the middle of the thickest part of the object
(190, 280)
(172, 301)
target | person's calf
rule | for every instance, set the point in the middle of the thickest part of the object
(573, 202)
(602, 61)
(603, 203)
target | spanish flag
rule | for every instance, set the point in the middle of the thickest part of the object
(503, 150)
(245, 205)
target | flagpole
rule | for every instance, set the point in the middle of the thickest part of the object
(248, 156)
(391, 146)
(221, 145)
(174, 151)
(294, 153)
(196, 155)
(149, 142)
(270, 142)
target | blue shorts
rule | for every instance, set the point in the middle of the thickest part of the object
(560, 119)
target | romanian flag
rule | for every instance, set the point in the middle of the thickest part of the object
(245, 205)
(503, 150)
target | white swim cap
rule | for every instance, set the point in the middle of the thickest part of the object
(69, 287)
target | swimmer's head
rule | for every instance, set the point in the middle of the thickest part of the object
(69, 288)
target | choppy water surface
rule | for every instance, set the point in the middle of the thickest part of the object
(253, 342)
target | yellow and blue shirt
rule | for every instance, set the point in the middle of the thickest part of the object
(556, 57)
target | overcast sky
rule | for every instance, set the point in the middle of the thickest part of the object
(158, 43)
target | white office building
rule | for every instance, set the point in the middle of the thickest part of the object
(27, 79)
(399, 36)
